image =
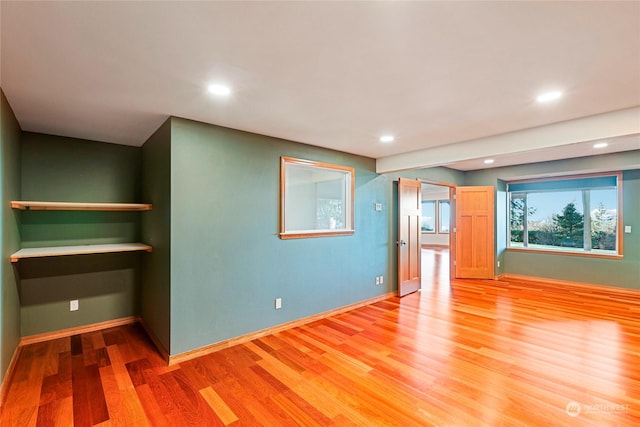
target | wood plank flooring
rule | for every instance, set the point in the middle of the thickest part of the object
(476, 353)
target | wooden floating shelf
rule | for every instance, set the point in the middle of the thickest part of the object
(79, 250)
(73, 206)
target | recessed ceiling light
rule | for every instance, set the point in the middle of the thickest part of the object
(387, 138)
(488, 161)
(219, 89)
(600, 145)
(549, 96)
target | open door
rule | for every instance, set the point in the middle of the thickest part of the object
(474, 241)
(409, 212)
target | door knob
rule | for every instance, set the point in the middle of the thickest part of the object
(401, 243)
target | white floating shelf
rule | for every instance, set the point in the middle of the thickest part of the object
(73, 206)
(78, 250)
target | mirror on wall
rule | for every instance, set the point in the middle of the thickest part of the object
(316, 199)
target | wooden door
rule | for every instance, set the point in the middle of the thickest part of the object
(409, 216)
(475, 226)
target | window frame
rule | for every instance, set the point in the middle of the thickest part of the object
(437, 215)
(287, 197)
(561, 251)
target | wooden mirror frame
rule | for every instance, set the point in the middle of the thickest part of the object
(312, 174)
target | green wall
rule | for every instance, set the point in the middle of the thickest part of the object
(107, 286)
(228, 263)
(9, 234)
(620, 273)
(156, 231)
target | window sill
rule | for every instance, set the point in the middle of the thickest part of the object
(567, 253)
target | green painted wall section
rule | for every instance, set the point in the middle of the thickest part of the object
(620, 273)
(9, 233)
(77, 170)
(156, 231)
(107, 286)
(228, 263)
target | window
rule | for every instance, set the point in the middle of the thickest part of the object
(428, 216)
(577, 215)
(443, 217)
(435, 212)
(316, 199)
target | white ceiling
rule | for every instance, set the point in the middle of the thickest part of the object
(331, 74)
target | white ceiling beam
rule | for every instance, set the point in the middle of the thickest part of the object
(601, 126)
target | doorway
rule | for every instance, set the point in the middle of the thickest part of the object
(436, 225)
(430, 246)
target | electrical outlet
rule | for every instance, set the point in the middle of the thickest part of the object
(498, 264)
(74, 305)
(278, 303)
(381, 280)
(378, 207)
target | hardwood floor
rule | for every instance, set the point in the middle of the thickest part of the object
(478, 353)
(434, 268)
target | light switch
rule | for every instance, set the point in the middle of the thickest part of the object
(627, 229)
